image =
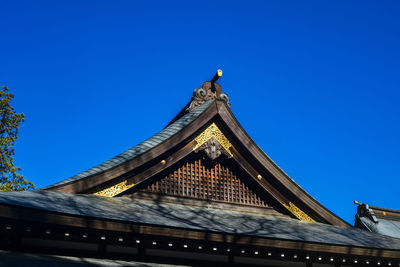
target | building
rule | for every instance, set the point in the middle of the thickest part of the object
(200, 192)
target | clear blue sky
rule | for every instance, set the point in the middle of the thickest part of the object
(315, 84)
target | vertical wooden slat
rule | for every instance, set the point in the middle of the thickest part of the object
(197, 180)
(212, 184)
(202, 179)
(199, 177)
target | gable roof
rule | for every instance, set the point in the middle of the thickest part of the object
(178, 140)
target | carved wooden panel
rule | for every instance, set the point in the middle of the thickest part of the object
(200, 177)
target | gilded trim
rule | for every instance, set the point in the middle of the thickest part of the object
(210, 132)
(298, 213)
(114, 190)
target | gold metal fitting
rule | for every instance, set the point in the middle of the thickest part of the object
(216, 76)
(259, 177)
(163, 162)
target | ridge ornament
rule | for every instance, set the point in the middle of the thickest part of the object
(213, 142)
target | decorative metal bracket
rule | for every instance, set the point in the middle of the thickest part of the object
(114, 190)
(213, 142)
(298, 213)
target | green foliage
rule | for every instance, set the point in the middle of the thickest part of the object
(10, 180)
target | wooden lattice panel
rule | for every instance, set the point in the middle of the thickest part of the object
(202, 178)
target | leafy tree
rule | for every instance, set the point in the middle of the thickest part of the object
(10, 180)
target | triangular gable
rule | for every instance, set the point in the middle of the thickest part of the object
(209, 126)
(200, 177)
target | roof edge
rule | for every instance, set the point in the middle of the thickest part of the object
(225, 112)
(156, 140)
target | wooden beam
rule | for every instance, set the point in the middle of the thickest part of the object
(27, 215)
(242, 162)
(217, 75)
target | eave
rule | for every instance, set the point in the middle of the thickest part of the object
(46, 227)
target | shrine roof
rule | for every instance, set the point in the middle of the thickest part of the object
(195, 217)
(141, 148)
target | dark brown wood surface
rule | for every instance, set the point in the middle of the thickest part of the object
(199, 177)
(26, 215)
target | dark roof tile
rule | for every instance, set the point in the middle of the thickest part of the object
(196, 218)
